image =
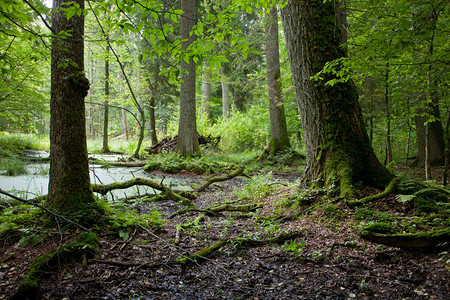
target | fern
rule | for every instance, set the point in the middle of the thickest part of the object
(404, 198)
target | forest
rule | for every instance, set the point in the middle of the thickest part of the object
(229, 149)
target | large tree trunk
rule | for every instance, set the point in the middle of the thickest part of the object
(69, 186)
(279, 139)
(206, 90)
(187, 127)
(338, 150)
(105, 148)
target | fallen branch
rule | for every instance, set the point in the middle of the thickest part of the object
(212, 180)
(220, 208)
(389, 190)
(104, 189)
(415, 240)
(244, 242)
(45, 209)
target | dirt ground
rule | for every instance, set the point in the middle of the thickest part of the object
(327, 261)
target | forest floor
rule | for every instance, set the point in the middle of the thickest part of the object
(327, 261)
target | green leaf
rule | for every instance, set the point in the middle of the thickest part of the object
(249, 10)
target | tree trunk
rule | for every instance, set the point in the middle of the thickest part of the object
(125, 127)
(187, 127)
(279, 139)
(206, 90)
(388, 147)
(69, 185)
(338, 150)
(151, 110)
(105, 148)
(225, 93)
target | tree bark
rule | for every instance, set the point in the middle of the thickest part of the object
(338, 150)
(187, 127)
(206, 90)
(225, 93)
(388, 147)
(151, 110)
(279, 139)
(105, 148)
(69, 185)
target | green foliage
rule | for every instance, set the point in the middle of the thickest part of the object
(15, 143)
(258, 187)
(295, 248)
(13, 166)
(18, 221)
(424, 205)
(175, 163)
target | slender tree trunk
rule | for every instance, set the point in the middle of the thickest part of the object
(388, 148)
(105, 148)
(447, 149)
(187, 142)
(279, 139)
(206, 90)
(125, 127)
(151, 110)
(225, 93)
(69, 185)
(338, 150)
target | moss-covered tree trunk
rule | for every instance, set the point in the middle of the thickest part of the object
(187, 127)
(69, 186)
(338, 150)
(279, 139)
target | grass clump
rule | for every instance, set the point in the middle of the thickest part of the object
(14, 143)
(257, 187)
(13, 166)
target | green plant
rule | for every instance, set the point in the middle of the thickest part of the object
(258, 187)
(13, 166)
(294, 247)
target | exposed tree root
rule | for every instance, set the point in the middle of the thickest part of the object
(103, 189)
(244, 242)
(212, 180)
(220, 208)
(389, 190)
(416, 240)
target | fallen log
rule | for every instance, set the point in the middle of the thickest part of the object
(244, 242)
(104, 189)
(169, 144)
(411, 240)
(212, 180)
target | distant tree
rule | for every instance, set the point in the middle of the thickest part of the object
(206, 90)
(338, 150)
(187, 127)
(69, 186)
(279, 139)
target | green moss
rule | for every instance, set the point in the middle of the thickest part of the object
(379, 228)
(28, 290)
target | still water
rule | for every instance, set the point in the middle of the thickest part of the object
(35, 182)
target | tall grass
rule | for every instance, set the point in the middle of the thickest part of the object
(11, 143)
(119, 145)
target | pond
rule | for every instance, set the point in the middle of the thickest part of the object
(35, 182)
